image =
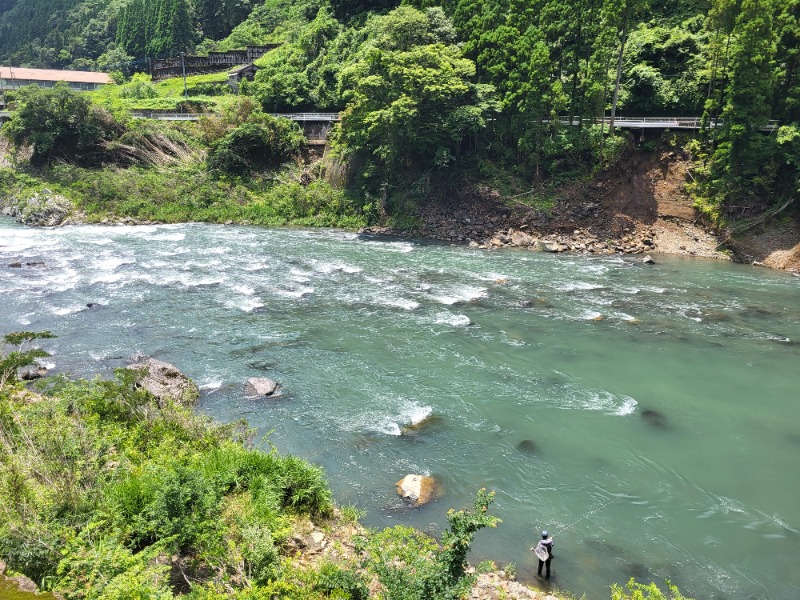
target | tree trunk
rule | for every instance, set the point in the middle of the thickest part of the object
(615, 99)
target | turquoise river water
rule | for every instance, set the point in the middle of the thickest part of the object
(656, 406)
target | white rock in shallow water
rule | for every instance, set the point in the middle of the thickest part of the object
(419, 489)
(261, 386)
(648, 260)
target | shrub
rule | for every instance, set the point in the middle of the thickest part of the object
(639, 591)
(255, 146)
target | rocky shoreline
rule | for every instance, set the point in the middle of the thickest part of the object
(580, 228)
(583, 222)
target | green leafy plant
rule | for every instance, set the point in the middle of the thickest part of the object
(12, 361)
(640, 591)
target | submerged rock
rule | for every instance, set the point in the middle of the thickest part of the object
(418, 490)
(654, 418)
(164, 380)
(527, 446)
(260, 386)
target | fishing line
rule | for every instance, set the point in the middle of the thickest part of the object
(614, 499)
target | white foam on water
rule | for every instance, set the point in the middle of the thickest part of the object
(100, 241)
(68, 310)
(63, 281)
(111, 263)
(578, 286)
(402, 247)
(569, 397)
(177, 251)
(211, 385)
(296, 293)
(448, 318)
(299, 276)
(410, 412)
(134, 229)
(464, 293)
(398, 302)
(243, 289)
(21, 244)
(254, 266)
(377, 280)
(414, 413)
(627, 407)
(169, 237)
(244, 303)
(107, 278)
(333, 267)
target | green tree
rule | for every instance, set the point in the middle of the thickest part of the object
(410, 99)
(60, 124)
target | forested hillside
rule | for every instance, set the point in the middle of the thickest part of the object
(454, 86)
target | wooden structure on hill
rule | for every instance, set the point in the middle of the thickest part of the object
(165, 68)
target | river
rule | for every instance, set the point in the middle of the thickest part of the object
(646, 415)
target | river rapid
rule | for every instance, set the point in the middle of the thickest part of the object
(646, 415)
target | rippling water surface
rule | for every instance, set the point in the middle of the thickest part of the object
(656, 406)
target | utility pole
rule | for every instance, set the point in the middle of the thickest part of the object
(183, 68)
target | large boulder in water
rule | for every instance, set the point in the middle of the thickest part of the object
(419, 489)
(164, 380)
(260, 386)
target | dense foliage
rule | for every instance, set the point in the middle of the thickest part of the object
(255, 146)
(60, 124)
(447, 85)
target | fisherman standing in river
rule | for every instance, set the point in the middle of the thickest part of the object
(544, 552)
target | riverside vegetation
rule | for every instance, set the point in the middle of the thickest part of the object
(437, 99)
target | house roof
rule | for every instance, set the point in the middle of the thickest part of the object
(53, 75)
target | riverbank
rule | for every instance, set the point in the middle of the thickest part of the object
(638, 207)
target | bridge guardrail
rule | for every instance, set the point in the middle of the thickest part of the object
(176, 116)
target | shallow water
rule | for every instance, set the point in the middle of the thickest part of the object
(646, 415)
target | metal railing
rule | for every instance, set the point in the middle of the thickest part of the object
(177, 116)
(654, 122)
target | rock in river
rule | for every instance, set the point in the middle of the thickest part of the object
(164, 380)
(260, 386)
(419, 489)
(654, 418)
